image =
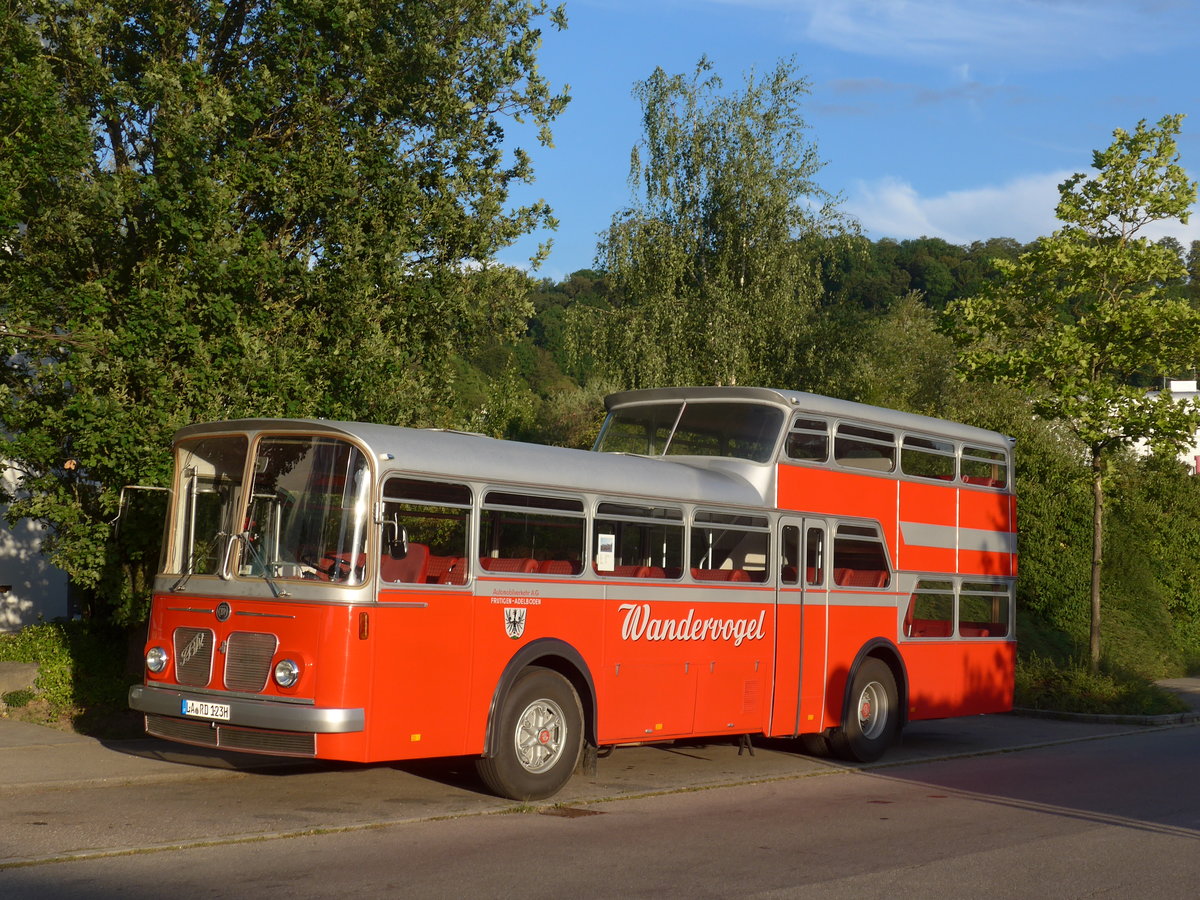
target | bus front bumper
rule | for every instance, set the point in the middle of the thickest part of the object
(267, 713)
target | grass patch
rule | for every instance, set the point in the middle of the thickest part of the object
(17, 699)
(1043, 683)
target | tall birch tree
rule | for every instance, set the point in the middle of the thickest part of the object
(713, 264)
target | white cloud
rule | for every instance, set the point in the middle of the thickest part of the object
(1022, 208)
(951, 31)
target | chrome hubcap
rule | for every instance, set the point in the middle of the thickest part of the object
(872, 710)
(540, 735)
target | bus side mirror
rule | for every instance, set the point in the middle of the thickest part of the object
(398, 545)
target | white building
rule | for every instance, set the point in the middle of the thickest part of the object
(1185, 392)
(30, 588)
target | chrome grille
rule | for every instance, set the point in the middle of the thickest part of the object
(248, 660)
(247, 740)
(186, 731)
(193, 655)
(259, 740)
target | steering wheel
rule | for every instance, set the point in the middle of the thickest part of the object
(338, 569)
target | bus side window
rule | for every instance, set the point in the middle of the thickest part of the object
(983, 609)
(930, 611)
(635, 541)
(814, 563)
(527, 534)
(859, 558)
(425, 529)
(729, 547)
(789, 563)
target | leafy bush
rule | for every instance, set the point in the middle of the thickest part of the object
(79, 666)
(48, 646)
(1043, 683)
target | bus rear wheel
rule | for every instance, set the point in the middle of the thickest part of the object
(541, 736)
(872, 721)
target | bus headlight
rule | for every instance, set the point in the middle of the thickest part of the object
(156, 659)
(287, 673)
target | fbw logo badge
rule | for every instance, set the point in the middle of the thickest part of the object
(514, 621)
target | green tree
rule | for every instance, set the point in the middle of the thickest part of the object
(902, 361)
(1077, 318)
(713, 268)
(1192, 286)
(216, 208)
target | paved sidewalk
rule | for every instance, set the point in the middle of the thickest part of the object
(1187, 688)
(32, 756)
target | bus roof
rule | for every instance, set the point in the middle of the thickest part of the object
(474, 457)
(814, 403)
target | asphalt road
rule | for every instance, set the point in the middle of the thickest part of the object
(991, 805)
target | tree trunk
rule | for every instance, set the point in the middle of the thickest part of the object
(1097, 557)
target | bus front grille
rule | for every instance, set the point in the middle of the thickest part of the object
(248, 660)
(232, 737)
(193, 655)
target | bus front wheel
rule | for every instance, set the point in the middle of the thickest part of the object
(872, 721)
(541, 736)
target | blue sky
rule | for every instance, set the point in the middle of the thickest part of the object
(947, 118)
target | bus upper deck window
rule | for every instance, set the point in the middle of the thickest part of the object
(927, 458)
(808, 440)
(988, 468)
(859, 447)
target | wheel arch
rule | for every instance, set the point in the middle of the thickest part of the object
(887, 652)
(558, 656)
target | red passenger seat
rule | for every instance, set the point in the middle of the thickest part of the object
(508, 564)
(408, 570)
(446, 570)
(629, 572)
(721, 575)
(860, 577)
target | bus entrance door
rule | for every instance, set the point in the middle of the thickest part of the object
(802, 597)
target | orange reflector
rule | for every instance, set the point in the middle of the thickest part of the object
(364, 626)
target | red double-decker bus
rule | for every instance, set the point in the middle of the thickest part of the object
(726, 561)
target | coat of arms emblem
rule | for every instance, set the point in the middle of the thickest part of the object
(514, 621)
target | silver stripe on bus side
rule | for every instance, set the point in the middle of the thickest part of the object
(950, 537)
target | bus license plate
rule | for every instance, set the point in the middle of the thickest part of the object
(206, 710)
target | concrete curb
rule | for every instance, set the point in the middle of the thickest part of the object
(1182, 718)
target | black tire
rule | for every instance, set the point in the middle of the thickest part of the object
(871, 720)
(540, 729)
(815, 745)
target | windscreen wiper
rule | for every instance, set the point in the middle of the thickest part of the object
(276, 590)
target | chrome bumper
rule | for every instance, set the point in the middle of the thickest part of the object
(266, 713)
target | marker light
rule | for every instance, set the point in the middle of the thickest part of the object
(287, 673)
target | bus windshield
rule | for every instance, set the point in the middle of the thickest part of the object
(305, 514)
(739, 430)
